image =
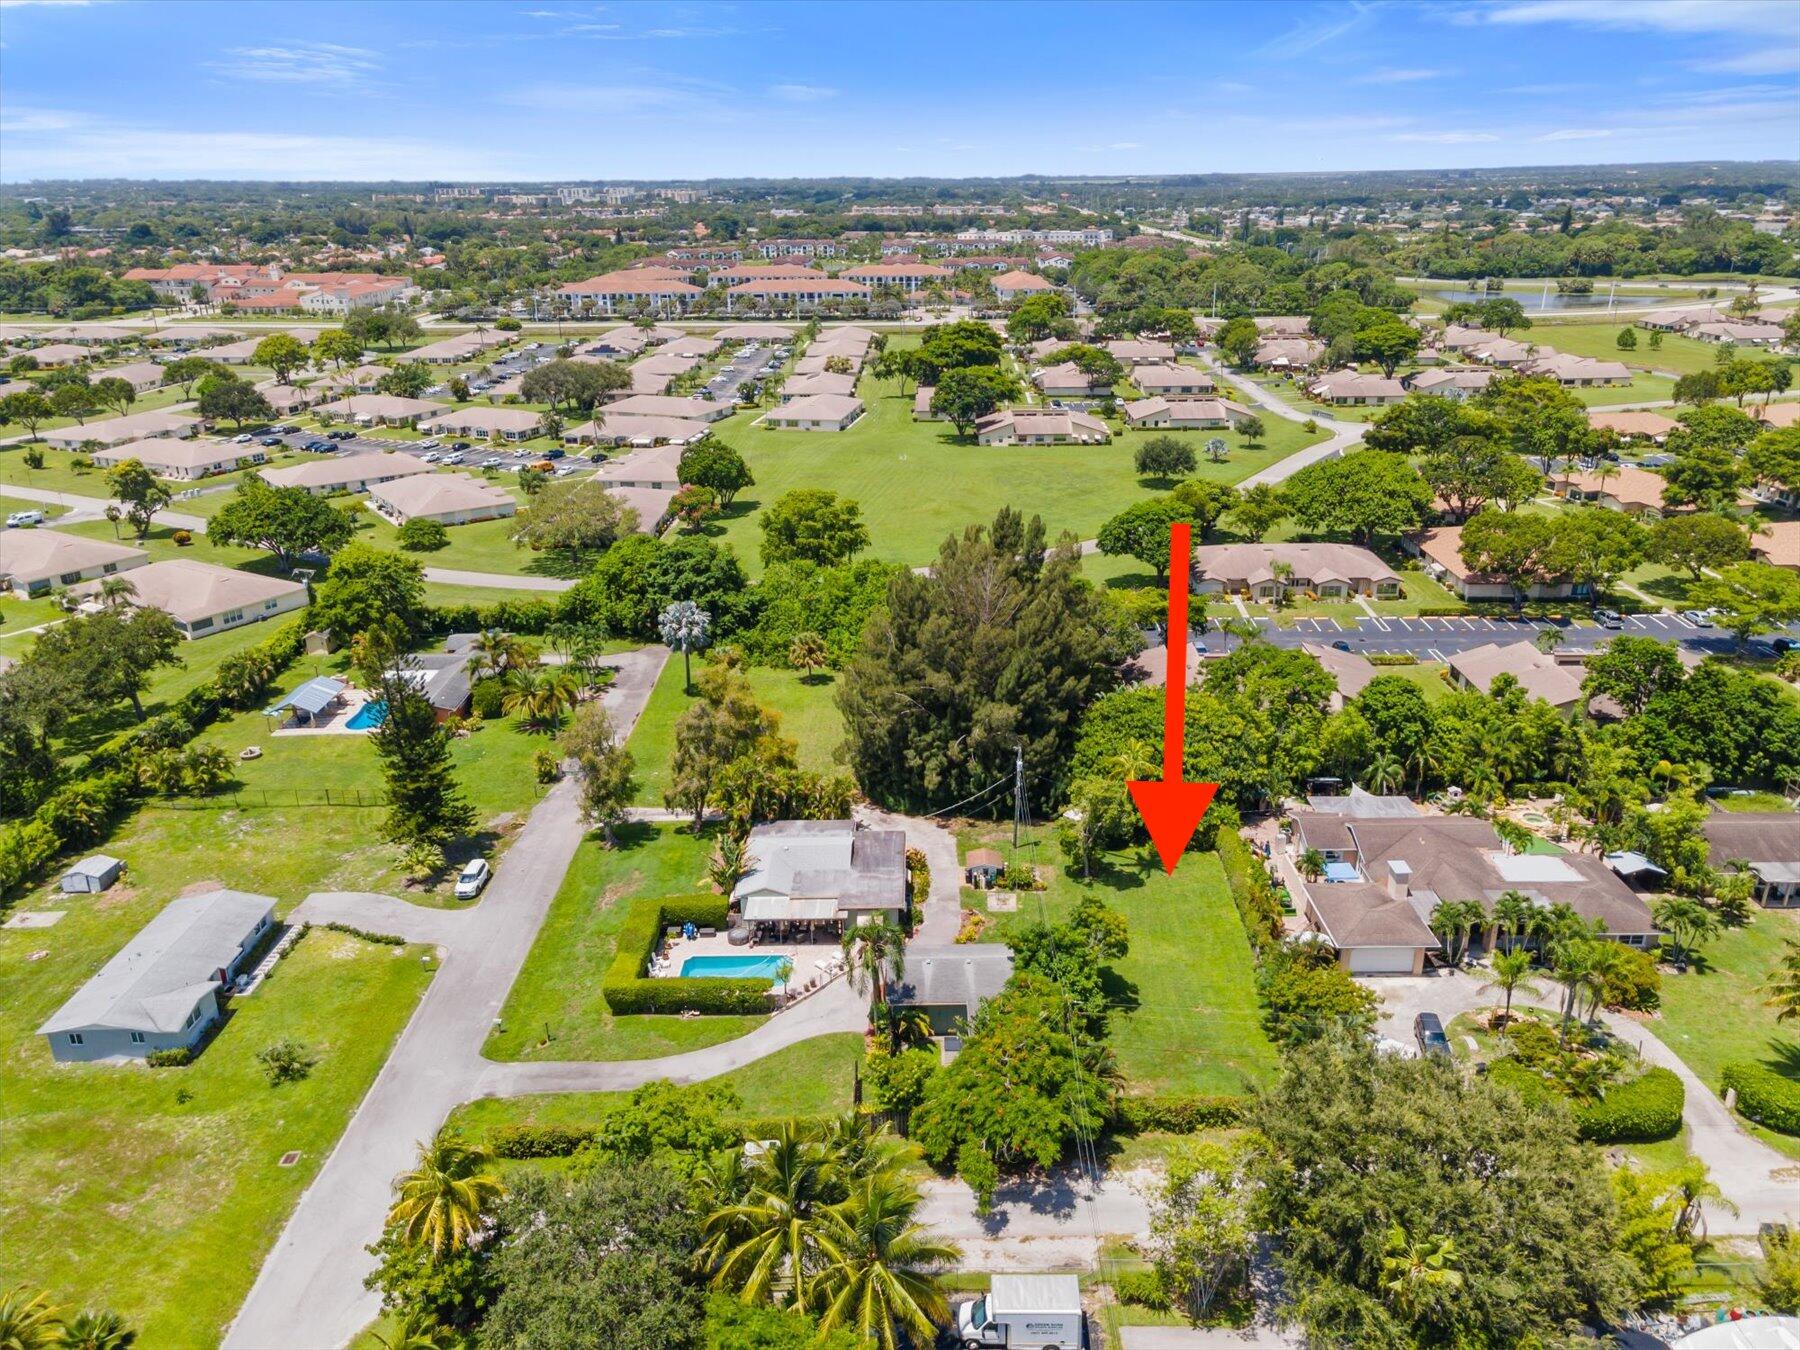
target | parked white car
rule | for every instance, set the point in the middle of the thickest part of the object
(472, 878)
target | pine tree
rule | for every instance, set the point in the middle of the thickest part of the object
(426, 806)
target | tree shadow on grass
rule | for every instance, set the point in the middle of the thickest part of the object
(1783, 1056)
(1122, 995)
(1673, 588)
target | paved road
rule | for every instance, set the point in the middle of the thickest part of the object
(455, 576)
(1343, 437)
(309, 1292)
(93, 508)
(1760, 1181)
(942, 915)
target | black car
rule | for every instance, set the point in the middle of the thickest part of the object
(460, 445)
(555, 452)
(321, 447)
(341, 435)
(268, 440)
(1429, 1032)
(1785, 644)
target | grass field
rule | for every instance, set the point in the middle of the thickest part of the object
(809, 716)
(156, 1192)
(555, 1010)
(1644, 388)
(1187, 1017)
(1718, 1014)
(917, 483)
(1683, 355)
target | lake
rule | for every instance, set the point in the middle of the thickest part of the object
(1534, 301)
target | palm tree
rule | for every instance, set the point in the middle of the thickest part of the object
(730, 861)
(1451, 921)
(28, 1321)
(1386, 773)
(1688, 924)
(902, 1028)
(417, 1331)
(496, 653)
(1511, 973)
(95, 1330)
(1412, 1271)
(540, 696)
(1312, 864)
(775, 1227)
(117, 592)
(445, 1200)
(1782, 992)
(808, 653)
(1512, 916)
(877, 1279)
(1696, 1189)
(1573, 968)
(876, 953)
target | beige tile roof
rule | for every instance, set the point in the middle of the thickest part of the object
(617, 426)
(1351, 671)
(28, 556)
(332, 471)
(383, 406)
(661, 405)
(481, 421)
(166, 452)
(435, 494)
(1778, 542)
(188, 590)
(1630, 486)
(822, 383)
(1541, 676)
(1312, 563)
(817, 408)
(1652, 424)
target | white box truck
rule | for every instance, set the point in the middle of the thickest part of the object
(1025, 1312)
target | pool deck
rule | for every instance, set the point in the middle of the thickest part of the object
(812, 961)
(338, 724)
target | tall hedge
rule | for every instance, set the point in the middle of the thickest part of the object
(1763, 1095)
(1248, 879)
(1645, 1109)
(528, 617)
(1178, 1112)
(626, 988)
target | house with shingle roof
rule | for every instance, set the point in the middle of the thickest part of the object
(814, 412)
(388, 409)
(1456, 382)
(36, 561)
(1185, 413)
(1765, 843)
(1539, 674)
(1353, 387)
(1440, 548)
(204, 599)
(512, 424)
(1172, 381)
(1635, 491)
(1041, 426)
(448, 498)
(1581, 372)
(1641, 424)
(134, 427)
(1070, 381)
(1324, 569)
(183, 460)
(344, 473)
(1287, 353)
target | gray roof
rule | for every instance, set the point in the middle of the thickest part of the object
(860, 869)
(1358, 914)
(97, 866)
(1361, 805)
(1753, 836)
(964, 975)
(154, 982)
(1035, 1293)
(313, 697)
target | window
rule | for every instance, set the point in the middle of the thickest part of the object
(70, 578)
(234, 616)
(137, 1038)
(199, 624)
(74, 1038)
(271, 604)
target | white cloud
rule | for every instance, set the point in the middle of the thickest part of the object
(1446, 137)
(1773, 26)
(1402, 76)
(1576, 134)
(299, 63)
(802, 93)
(649, 95)
(1314, 32)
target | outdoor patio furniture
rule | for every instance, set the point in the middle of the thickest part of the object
(708, 932)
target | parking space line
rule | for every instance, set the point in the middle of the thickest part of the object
(1434, 654)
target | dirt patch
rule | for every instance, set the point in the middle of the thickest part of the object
(116, 896)
(612, 895)
(200, 888)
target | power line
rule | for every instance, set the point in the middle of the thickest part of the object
(999, 783)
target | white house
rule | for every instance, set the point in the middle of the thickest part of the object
(344, 473)
(448, 498)
(183, 461)
(204, 599)
(814, 412)
(34, 562)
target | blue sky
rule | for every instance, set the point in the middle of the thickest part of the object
(544, 89)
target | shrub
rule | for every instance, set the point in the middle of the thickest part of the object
(286, 1062)
(1248, 879)
(1634, 982)
(1178, 1112)
(627, 991)
(182, 538)
(423, 536)
(384, 939)
(174, 1058)
(487, 698)
(1141, 1288)
(1646, 1108)
(539, 1141)
(897, 1082)
(1763, 1095)
(1531, 1085)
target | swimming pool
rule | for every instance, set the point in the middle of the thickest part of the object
(734, 968)
(371, 714)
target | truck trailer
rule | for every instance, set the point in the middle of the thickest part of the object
(1025, 1312)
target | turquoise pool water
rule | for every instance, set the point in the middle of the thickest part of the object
(371, 714)
(733, 968)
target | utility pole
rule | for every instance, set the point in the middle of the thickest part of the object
(1018, 791)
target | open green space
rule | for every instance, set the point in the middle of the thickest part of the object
(61, 473)
(813, 1078)
(1717, 1012)
(1186, 1016)
(555, 1010)
(1644, 388)
(808, 708)
(917, 483)
(124, 1185)
(1683, 355)
(17, 614)
(443, 593)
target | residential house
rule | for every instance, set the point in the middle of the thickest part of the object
(1581, 372)
(1643, 425)
(1070, 381)
(1137, 352)
(167, 457)
(1637, 492)
(1739, 333)
(907, 276)
(119, 430)
(950, 983)
(382, 409)
(1441, 551)
(1185, 413)
(1173, 382)
(160, 991)
(345, 473)
(1284, 325)
(1287, 353)
(53, 355)
(660, 405)
(448, 498)
(921, 409)
(454, 349)
(1015, 284)
(1041, 426)
(1385, 877)
(1455, 382)
(814, 412)
(755, 332)
(204, 599)
(140, 375)
(288, 400)
(1766, 843)
(1323, 569)
(801, 386)
(1351, 670)
(795, 292)
(620, 292)
(1539, 674)
(35, 562)
(617, 428)
(1352, 387)
(820, 874)
(93, 334)
(510, 424)
(1778, 542)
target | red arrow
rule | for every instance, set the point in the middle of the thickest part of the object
(1171, 808)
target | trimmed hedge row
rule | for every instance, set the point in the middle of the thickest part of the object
(628, 991)
(1764, 1096)
(1140, 1288)
(530, 618)
(102, 787)
(380, 939)
(1645, 1109)
(1178, 1112)
(1248, 880)
(538, 1141)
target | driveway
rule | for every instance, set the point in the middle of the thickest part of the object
(1343, 437)
(1764, 1184)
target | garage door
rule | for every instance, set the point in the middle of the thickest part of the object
(1381, 961)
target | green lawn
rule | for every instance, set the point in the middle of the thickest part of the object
(917, 483)
(61, 474)
(1187, 1016)
(555, 1010)
(813, 1078)
(1643, 388)
(1717, 1015)
(442, 593)
(17, 614)
(156, 1192)
(10, 504)
(1683, 355)
(809, 716)
(1666, 585)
